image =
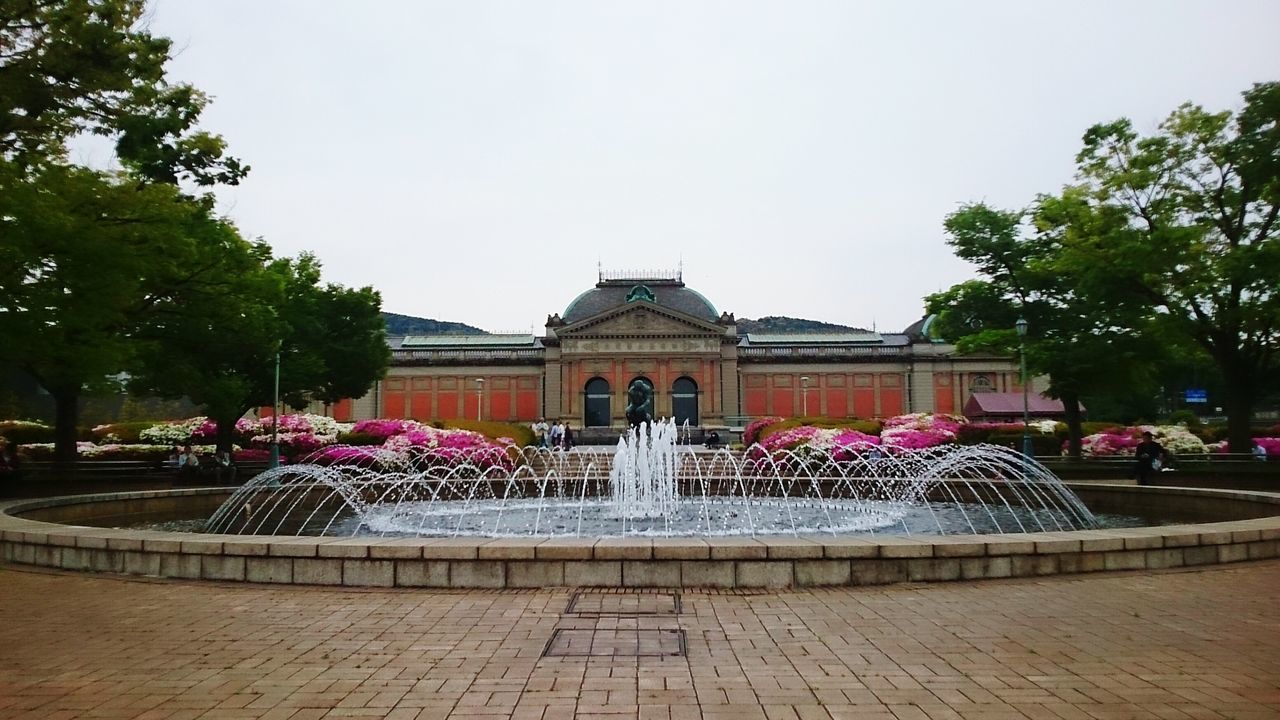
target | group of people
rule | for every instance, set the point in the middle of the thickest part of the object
(557, 435)
(189, 464)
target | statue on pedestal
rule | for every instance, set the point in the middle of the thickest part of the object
(639, 402)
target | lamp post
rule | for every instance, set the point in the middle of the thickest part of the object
(804, 396)
(1021, 327)
(479, 398)
(274, 462)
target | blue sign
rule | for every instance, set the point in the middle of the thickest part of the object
(1197, 395)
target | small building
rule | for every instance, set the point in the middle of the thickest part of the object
(1007, 407)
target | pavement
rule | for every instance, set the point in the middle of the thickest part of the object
(1195, 643)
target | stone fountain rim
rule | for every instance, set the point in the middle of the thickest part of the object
(764, 561)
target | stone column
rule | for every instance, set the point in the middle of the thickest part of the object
(551, 386)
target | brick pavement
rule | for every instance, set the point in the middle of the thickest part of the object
(1167, 645)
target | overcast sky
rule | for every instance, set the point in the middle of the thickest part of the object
(474, 161)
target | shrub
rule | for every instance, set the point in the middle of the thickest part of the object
(866, 427)
(1040, 444)
(124, 432)
(751, 434)
(23, 432)
(521, 434)
(360, 438)
(1093, 428)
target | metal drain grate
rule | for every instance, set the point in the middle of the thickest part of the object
(598, 603)
(567, 642)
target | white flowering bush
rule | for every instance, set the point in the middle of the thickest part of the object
(172, 433)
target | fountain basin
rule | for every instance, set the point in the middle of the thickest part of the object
(57, 532)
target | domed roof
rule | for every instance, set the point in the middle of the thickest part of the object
(665, 292)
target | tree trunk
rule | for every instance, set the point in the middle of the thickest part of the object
(1238, 402)
(226, 433)
(1071, 408)
(67, 413)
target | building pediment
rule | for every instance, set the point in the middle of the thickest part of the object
(640, 319)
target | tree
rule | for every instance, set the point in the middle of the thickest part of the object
(70, 67)
(221, 340)
(1022, 279)
(1184, 224)
(86, 257)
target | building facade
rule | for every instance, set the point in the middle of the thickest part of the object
(651, 326)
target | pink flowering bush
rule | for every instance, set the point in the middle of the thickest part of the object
(1270, 444)
(921, 430)
(751, 434)
(1114, 442)
(839, 443)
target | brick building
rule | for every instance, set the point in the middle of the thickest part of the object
(652, 326)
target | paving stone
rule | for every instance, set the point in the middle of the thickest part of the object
(1162, 644)
(270, 570)
(368, 573)
(768, 574)
(535, 574)
(707, 574)
(592, 573)
(650, 573)
(477, 574)
(822, 573)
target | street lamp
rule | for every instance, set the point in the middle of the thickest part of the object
(274, 461)
(1021, 327)
(804, 396)
(479, 398)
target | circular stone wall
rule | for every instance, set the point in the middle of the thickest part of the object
(43, 532)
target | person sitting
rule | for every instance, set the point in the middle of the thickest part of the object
(188, 463)
(713, 440)
(10, 466)
(1259, 452)
(224, 466)
(1150, 456)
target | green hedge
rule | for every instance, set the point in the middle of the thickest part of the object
(521, 434)
(21, 432)
(355, 438)
(1040, 444)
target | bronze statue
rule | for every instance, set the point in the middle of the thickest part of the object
(639, 402)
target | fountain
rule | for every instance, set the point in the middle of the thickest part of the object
(652, 486)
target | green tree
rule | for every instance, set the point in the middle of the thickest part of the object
(71, 67)
(88, 256)
(220, 341)
(1184, 224)
(1022, 279)
(85, 258)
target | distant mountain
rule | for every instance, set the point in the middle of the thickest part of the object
(783, 324)
(409, 325)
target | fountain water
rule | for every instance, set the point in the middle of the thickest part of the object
(653, 486)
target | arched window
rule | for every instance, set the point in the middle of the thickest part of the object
(981, 384)
(684, 400)
(597, 404)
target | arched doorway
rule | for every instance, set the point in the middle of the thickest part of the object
(597, 403)
(684, 401)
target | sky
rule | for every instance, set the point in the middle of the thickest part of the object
(477, 161)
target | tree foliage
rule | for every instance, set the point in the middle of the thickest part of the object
(1021, 279)
(1162, 254)
(85, 260)
(219, 342)
(1184, 224)
(71, 67)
